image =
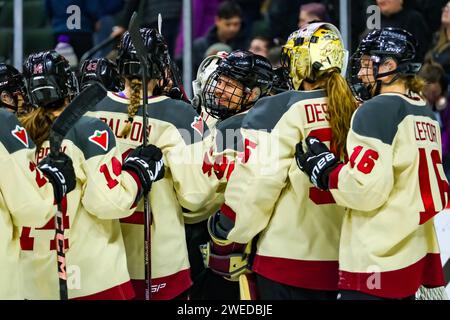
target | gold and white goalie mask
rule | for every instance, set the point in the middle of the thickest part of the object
(314, 48)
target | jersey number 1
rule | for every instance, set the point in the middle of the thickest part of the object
(425, 184)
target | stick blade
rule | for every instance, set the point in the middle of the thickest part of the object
(136, 39)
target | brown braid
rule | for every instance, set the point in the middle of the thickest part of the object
(135, 103)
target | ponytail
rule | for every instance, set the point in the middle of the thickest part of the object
(415, 84)
(135, 103)
(341, 106)
(38, 123)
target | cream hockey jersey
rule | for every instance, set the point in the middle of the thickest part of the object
(298, 225)
(213, 205)
(210, 121)
(26, 199)
(95, 256)
(177, 130)
(223, 146)
(393, 185)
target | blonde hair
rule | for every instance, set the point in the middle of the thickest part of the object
(135, 103)
(414, 84)
(341, 106)
(38, 123)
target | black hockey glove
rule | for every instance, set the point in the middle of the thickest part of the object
(317, 162)
(147, 163)
(59, 171)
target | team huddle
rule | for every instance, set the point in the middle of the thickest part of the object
(292, 183)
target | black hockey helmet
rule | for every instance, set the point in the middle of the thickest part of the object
(13, 83)
(281, 80)
(241, 70)
(128, 63)
(380, 45)
(49, 78)
(100, 70)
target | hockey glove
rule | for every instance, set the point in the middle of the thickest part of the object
(224, 257)
(317, 162)
(59, 171)
(147, 163)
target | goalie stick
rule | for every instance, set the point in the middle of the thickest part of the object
(142, 54)
(86, 100)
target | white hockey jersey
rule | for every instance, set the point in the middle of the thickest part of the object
(26, 199)
(95, 253)
(177, 130)
(393, 185)
(298, 225)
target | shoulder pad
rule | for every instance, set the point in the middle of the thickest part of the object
(267, 111)
(92, 136)
(229, 135)
(380, 116)
(13, 135)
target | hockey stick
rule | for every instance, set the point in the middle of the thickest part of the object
(142, 54)
(174, 71)
(86, 100)
(88, 54)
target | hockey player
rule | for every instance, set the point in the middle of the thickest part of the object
(100, 70)
(298, 225)
(175, 127)
(13, 94)
(393, 184)
(20, 175)
(106, 190)
(240, 79)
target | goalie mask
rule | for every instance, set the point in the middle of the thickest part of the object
(374, 50)
(208, 66)
(312, 49)
(12, 88)
(49, 78)
(103, 71)
(158, 55)
(240, 79)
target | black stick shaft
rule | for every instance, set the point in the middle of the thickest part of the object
(142, 53)
(147, 213)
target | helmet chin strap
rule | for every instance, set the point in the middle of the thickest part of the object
(8, 106)
(245, 105)
(376, 88)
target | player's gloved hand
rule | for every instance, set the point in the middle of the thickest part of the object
(147, 163)
(59, 171)
(224, 257)
(317, 162)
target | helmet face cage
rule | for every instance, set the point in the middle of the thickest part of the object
(375, 49)
(228, 88)
(128, 63)
(12, 82)
(48, 78)
(224, 96)
(101, 70)
(363, 70)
